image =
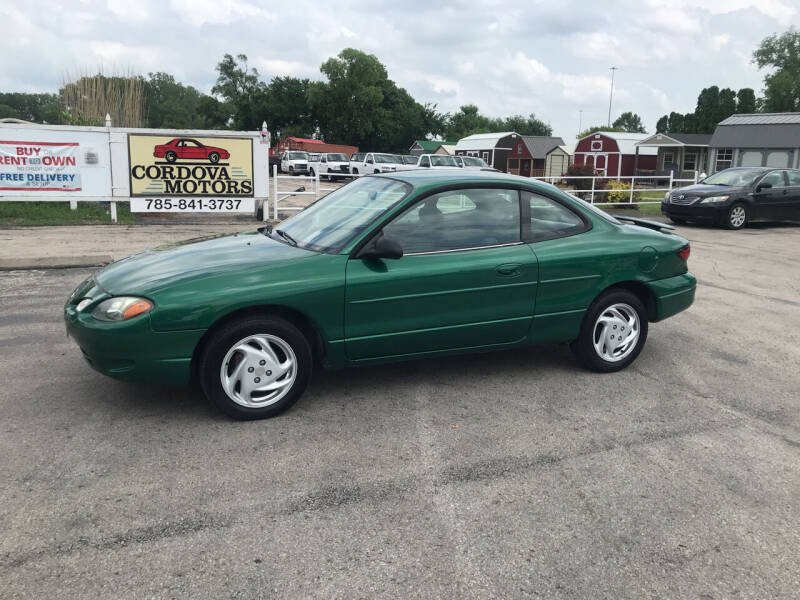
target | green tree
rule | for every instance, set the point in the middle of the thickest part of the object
(727, 105)
(37, 108)
(781, 53)
(466, 121)
(630, 122)
(288, 109)
(529, 125)
(169, 104)
(597, 129)
(708, 109)
(662, 125)
(746, 101)
(241, 89)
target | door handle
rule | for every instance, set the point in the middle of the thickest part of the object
(508, 270)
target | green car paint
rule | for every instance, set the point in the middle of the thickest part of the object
(370, 310)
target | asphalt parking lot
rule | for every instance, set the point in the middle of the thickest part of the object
(514, 474)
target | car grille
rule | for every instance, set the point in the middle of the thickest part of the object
(682, 199)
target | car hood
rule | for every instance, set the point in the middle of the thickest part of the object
(147, 272)
(703, 189)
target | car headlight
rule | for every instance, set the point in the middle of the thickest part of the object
(714, 199)
(121, 308)
(666, 197)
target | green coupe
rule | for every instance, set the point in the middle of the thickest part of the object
(387, 268)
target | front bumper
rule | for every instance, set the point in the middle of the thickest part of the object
(131, 350)
(673, 294)
(700, 212)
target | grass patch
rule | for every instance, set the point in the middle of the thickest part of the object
(22, 214)
(642, 210)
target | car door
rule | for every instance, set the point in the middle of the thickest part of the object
(193, 150)
(793, 201)
(570, 267)
(771, 196)
(465, 280)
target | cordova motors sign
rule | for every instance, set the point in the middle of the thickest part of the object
(190, 173)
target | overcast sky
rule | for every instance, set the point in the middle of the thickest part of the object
(548, 58)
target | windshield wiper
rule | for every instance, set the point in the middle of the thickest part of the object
(286, 236)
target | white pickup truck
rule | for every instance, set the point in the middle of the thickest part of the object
(332, 165)
(376, 162)
(294, 162)
(436, 161)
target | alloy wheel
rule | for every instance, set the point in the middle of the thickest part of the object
(616, 332)
(258, 370)
(737, 216)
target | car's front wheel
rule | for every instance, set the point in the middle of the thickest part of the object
(214, 157)
(255, 368)
(736, 217)
(677, 220)
(613, 332)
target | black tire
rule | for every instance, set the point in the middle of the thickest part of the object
(171, 156)
(733, 219)
(583, 346)
(355, 171)
(226, 338)
(214, 157)
(311, 172)
(291, 171)
(376, 172)
(677, 220)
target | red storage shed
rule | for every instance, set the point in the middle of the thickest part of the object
(615, 154)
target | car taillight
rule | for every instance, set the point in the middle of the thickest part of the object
(684, 252)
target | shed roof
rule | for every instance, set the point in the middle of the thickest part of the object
(305, 140)
(480, 141)
(540, 145)
(768, 130)
(429, 146)
(626, 141)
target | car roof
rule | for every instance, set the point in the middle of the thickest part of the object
(455, 175)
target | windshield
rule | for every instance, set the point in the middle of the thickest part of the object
(385, 158)
(356, 157)
(733, 177)
(328, 224)
(410, 160)
(298, 156)
(337, 158)
(443, 161)
(474, 162)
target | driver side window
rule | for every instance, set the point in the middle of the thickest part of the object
(775, 179)
(425, 162)
(459, 219)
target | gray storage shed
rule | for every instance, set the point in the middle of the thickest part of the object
(756, 140)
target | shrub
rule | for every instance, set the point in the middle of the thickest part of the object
(621, 192)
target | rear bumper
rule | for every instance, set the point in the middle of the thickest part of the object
(132, 351)
(673, 294)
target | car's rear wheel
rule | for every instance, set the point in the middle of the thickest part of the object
(256, 367)
(613, 332)
(736, 217)
(171, 156)
(214, 157)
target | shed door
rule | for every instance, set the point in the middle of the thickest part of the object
(778, 158)
(752, 158)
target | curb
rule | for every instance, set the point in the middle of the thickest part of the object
(54, 262)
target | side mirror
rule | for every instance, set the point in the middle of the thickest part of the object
(382, 246)
(763, 186)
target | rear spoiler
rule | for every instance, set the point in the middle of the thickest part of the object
(644, 223)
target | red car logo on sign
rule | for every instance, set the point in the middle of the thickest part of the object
(188, 148)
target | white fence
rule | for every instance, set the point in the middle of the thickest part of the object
(650, 183)
(316, 192)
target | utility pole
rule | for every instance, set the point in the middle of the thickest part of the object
(611, 95)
